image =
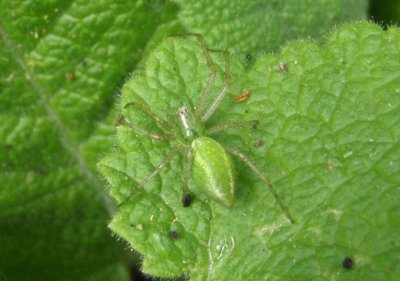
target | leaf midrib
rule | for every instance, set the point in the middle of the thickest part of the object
(67, 142)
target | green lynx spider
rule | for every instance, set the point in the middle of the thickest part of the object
(208, 161)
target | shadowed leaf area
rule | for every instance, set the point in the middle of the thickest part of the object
(385, 12)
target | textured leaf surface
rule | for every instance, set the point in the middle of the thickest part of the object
(258, 26)
(61, 62)
(328, 139)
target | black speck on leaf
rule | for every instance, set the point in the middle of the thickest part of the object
(347, 262)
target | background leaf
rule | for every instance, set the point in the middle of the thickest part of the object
(256, 27)
(329, 144)
(60, 64)
(386, 12)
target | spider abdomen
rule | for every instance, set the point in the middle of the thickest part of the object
(213, 170)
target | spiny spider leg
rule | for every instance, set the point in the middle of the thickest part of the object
(142, 131)
(173, 151)
(165, 124)
(228, 82)
(211, 65)
(251, 165)
(187, 169)
(224, 126)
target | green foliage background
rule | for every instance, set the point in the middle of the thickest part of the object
(62, 65)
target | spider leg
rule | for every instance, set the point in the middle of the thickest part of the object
(173, 151)
(165, 124)
(211, 65)
(142, 131)
(263, 178)
(224, 126)
(186, 176)
(227, 84)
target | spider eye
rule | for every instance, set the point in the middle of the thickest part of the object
(182, 111)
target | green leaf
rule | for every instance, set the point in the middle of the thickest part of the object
(256, 27)
(328, 140)
(252, 28)
(61, 63)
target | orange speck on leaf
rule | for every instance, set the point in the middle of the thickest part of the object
(243, 96)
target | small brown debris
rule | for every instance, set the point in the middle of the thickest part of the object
(258, 143)
(283, 67)
(243, 96)
(69, 76)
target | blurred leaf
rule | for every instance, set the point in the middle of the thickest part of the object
(259, 26)
(61, 64)
(385, 12)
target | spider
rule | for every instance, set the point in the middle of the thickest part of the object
(207, 161)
